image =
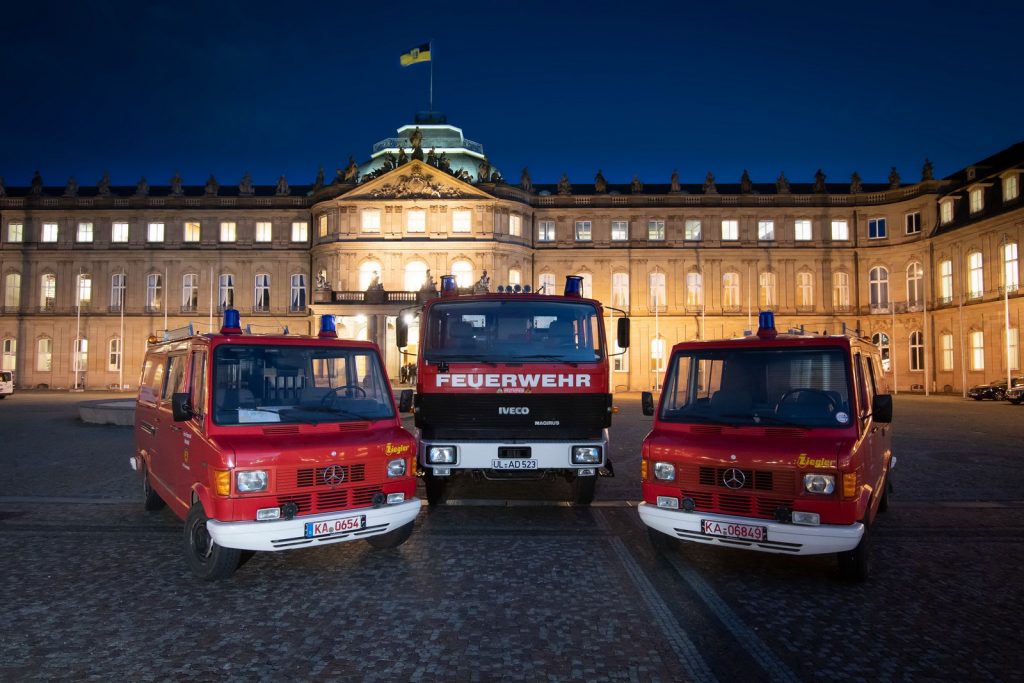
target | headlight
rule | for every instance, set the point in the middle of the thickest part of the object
(819, 483)
(665, 471)
(441, 455)
(586, 455)
(251, 481)
(396, 468)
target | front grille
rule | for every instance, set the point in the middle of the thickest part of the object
(331, 500)
(704, 485)
(547, 416)
(315, 476)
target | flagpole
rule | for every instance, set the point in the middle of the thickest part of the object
(430, 48)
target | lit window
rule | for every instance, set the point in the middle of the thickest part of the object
(975, 275)
(694, 290)
(620, 360)
(298, 292)
(48, 291)
(416, 220)
(515, 276)
(81, 356)
(805, 289)
(946, 281)
(658, 357)
(916, 351)
(658, 299)
(515, 225)
(546, 231)
(463, 272)
(840, 231)
(10, 354)
(264, 231)
(877, 229)
(841, 291)
(656, 231)
(587, 285)
(193, 231)
(620, 289)
(766, 230)
(84, 232)
(415, 276)
(1011, 187)
(321, 222)
(731, 291)
(226, 291)
(119, 232)
(878, 292)
(12, 290)
(15, 232)
(977, 342)
(300, 231)
(1011, 272)
(691, 229)
(84, 295)
(977, 199)
(114, 354)
(881, 340)
(730, 230)
(946, 352)
(44, 355)
(49, 232)
(462, 220)
(369, 275)
(154, 291)
(546, 284)
(155, 232)
(189, 292)
(767, 289)
(912, 222)
(1013, 347)
(117, 287)
(946, 211)
(261, 293)
(802, 230)
(620, 231)
(228, 232)
(583, 231)
(915, 286)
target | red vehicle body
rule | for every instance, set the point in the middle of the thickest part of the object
(778, 443)
(513, 385)
(272, 443)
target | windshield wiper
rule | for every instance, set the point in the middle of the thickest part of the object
(775, 419)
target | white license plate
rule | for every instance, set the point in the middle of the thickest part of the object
(742, 532)
(335, 526)
(513, 464)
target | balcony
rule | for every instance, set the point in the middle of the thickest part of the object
(189, 308)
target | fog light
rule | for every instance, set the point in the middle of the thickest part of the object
(396, 498)
(442, 471)
(664, 471)
(266, 514)
(586, 455)
(441, 454)
(586, 472)
(819, 483)
(668, 502)
(251, 481)
(807, 518)
(396, 468)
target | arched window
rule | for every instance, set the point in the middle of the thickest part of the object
(463, 272)
(12, 290)
(915, 284)
(10, 354)
(415, 276)
(975, 275)
(916, 350)
(369, 274)
(298, 292)
(767, 291)
(114, 354)
(189, 292)
(731, 291)
(805, 289)
(81, 357)
(657, 296)
(47, 291)
(620, 289)
(841, 291)
(515, 276)
(261, 293)
(879, 288)
(226, 291)
(546, 283)
(117, 288)
(881, 340)
(588, 285)
(694, 290)
(154, 291)
(44, 355)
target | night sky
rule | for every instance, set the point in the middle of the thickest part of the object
(272, 88)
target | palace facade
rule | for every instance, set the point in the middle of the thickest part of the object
(928, 269)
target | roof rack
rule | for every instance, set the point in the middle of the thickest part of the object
(179, 333)
(252, 329)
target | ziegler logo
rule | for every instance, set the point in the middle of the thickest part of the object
(513, 410)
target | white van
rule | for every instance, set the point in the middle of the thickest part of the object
(6, 383)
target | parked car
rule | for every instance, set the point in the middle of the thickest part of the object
(1015, 394)
(6, 383)
(994, 390)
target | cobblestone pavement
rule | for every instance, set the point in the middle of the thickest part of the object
(510, 583)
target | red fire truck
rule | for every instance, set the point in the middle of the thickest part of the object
(272, 443)
(779, 443)
(513, 385)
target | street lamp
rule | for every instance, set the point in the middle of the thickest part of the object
(1005, 243)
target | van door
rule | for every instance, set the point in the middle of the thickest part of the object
(872, 447)
(194, 448)
(170, 434)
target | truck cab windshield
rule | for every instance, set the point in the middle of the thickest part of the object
(793, 386)
(513, 332)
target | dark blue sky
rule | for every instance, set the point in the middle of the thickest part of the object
(632, 88)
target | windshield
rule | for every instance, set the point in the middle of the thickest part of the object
(298, 384)
(513, 331)
(6, 376)
(803, 387)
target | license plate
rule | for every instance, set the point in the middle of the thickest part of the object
(335, 526)
(514, 464)
(742, 532)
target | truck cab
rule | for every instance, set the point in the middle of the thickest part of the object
(777, 443)
(6, 383)
(272, 442)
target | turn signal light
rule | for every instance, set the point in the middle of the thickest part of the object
(643, 470)
(849, 485)
(222, 482)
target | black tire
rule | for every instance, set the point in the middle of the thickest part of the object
(854, 565)
(391, 539)
(151, 499)
(206, 559)
(1014, 402)
(436, 489)
(662, 543)
(883, 504)
(583, 489)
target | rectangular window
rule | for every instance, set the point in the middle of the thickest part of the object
(15, 232)
(912, 222)
(226, 294)
(730, 230)
(620, 290)
(946, 352)
(657, 291)
(766, 230)
(189, 292)
(154, 291)
(155, 232)
(416, 220)
(691, 230)
(84, 232)
(977, 341)
(977, 197)
(515, 225)
(12, 290)
(546, 231)
(975, 275)
(946, 211)
(656, 231)
(462, 220)
(261, 296)
(802, 230)
(119, 232)
(620, 231)
(84, 297)
(1013, 348)
(805, 289)
(264, 231)
(228, 231)
(546, 284)
(946, 281)
(583, 231)
(49, 232)
(840, 231)
(300, 231)
(321, 224)
(114, 355)
(694, 290)
(877, 229)
(193, 231)
(1011, 271)
(298, 292)
(117, 291)
(841, 291)
(1011, 187)
(44, 355)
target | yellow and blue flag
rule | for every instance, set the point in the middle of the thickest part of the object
(416, 55)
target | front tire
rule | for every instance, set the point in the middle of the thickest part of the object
(206, 559)
(583, 489)
(151, 499)
(854, 564)
(436, 489)
(391, 539)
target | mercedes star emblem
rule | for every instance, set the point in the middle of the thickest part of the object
(734, 478)
(335, 474)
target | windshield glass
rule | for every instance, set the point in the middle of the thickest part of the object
(803, 387)
(513, 331)
(298, 384)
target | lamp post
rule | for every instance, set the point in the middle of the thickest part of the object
(1005, 243)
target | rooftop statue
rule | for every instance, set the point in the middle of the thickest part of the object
(142, 189)
(819, 182)
(37, 183)
(432, 157)
(321, 279)
(855, 184)
(524, 180)
(428, 283)
(600, 184)
(402, 157)
(483, 171)
(176, 185)
(245, 187)
(3, 192)
(674, 182)
(351, 171)
(927, 173)
(636, 186)
(746, 187)
(211, 186)
(416, 138)
(709, 184)
(782, 183)
(71, 189)
(564, 187)
(483, 284)
(282, 187)
(104, 185)
(894, 179)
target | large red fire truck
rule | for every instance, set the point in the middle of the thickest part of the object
(779, 443)
(272, 442)
(513, 385)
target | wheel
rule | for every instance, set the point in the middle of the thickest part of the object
(206, 559)
(436, 493)
(152, 500)
(583, 490)
(883, 504)
(1015, 401)
(391, 539)
(334, 392)
(853, 564)
(662, 543)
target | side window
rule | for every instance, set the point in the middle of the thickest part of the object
(198, 383)
(869, 382)
(858, 377)
(152, 380)
(175, 376)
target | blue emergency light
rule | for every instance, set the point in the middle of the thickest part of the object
(232, 322)
(327, 328)
(766, 325)
(448, 285)
(574, 285)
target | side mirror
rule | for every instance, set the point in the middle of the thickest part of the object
(622, 333)
(180, 408)
(881, 408)
(405, 401)
(401, 333)
(647, 402)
